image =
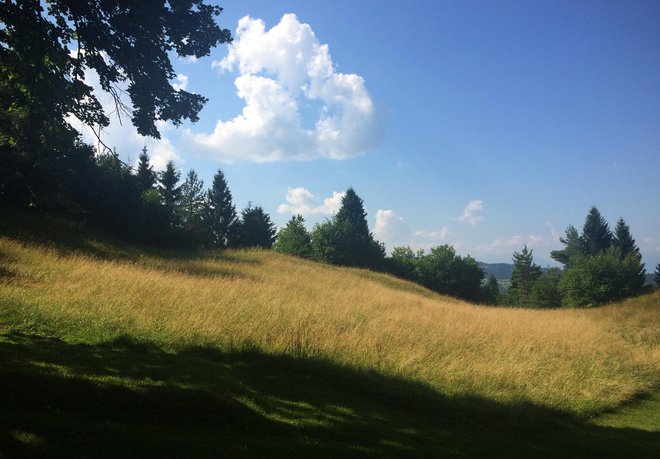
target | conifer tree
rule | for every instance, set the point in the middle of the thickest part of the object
(596, 234)
(294, 238)
(525, 274)
(191, 207)
(657, 275)
(573, 247)
(623, 240)
(219, 213)
(255, 228)
(146, 177)
(345, 239)
(167, 181)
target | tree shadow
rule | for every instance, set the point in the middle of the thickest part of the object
(126, 399)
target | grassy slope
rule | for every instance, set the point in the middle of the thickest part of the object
(109, 349)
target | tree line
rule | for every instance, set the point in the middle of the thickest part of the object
(599, 266)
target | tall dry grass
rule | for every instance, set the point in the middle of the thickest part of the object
(578, 361)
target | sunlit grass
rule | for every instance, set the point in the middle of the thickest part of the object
(578, 361)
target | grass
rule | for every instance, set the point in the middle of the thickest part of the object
(255, 353)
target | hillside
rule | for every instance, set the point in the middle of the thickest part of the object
(253, 353)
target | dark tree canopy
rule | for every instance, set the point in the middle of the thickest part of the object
(146, 177)
(255, 228)
(167, 185)
(126, 42)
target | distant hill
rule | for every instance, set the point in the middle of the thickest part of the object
(499, 270)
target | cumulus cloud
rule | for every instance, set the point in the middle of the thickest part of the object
(120, 134)
(280, 72)
(301, 201)
(468, 216)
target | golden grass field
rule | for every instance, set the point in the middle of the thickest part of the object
(580, 361)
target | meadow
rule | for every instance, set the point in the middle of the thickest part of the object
(254, 352)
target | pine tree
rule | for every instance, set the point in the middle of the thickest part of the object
(657, 275)
(525, 274)
(294, 238)
(596, 235)
(220, 213)
(255, 228)
(146, 177)
(573, 247)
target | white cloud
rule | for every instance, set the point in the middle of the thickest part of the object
(391, 229)
(468, 216)
(282, 70)
(182, 82)
(301, 201)
(120, 134)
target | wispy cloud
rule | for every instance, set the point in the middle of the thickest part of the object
(391, 229)
(469, 214)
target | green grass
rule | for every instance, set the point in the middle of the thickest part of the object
(218, 359)
(124, 398)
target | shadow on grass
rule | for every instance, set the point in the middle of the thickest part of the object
(127, 399)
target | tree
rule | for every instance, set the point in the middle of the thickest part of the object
(145, 174)
(445, 272)
(657, 275)
(346, 239)
(126, 43)
(596, 235)
(601, 278)
(525, 274)
(294, 238)
(545, 291)
(167, 180)
(219, 213)
(255, 228)
(573, 247)
(191, 208)
(491, 291)
(623, 240)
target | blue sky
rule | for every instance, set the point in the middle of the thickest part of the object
(484, 125)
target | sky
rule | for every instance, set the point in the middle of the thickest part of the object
(483, 125)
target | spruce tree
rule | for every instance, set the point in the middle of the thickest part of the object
(351, 243)
(220, 213)
(146, 177)
(623, 240)
(525, 274)
(255, 228)
(596, 235)
(167, 181)
(294, 238)
(657, 275)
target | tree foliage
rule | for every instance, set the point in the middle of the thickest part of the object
(220, 213)
(345, 239)
(145, 175)
(255, 228)
(525, 274)
(294, 238)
